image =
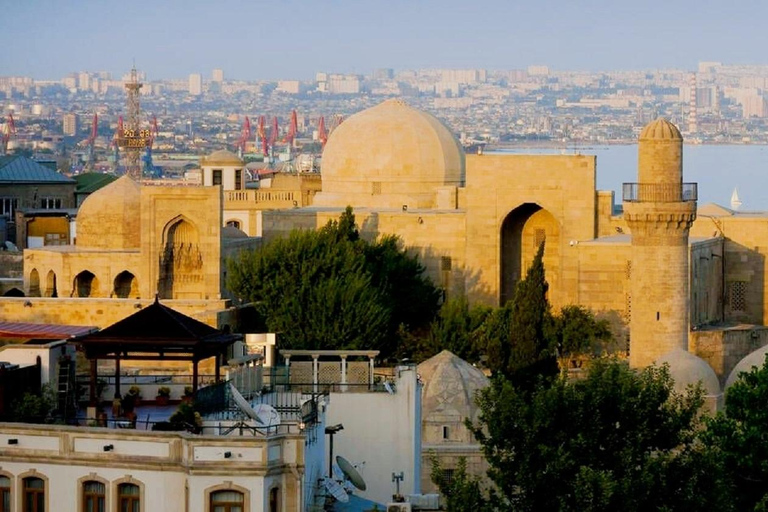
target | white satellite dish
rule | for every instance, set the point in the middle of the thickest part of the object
(267, 415)
(243, 404)
(351, 473)
(336, 490)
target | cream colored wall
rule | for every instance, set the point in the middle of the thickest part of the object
(497, 184)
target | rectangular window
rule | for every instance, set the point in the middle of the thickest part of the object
(94, 496)
(217, 177)
(737, 292)
(8, 206)
(50, 203)
(128, 498)
(34, 495)
(446, 432)
(238, 179)
(5, 494)
(55, 239)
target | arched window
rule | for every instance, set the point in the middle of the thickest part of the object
(5, 494)
(227, 501)
(34, 283)
(86, 284)
(274, 499)
(128, 498)
(233, 224)
(94, 496)
(33, 490)
(126, 285)
(50, 285)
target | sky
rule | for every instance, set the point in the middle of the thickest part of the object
(293, 39)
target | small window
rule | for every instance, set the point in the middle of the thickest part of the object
(8, 206)
(233, 224)
(228, 501)
(446, 432)
(737, 292)
(34, 495)
(238, 179)
(448, 475)
(128, 498)
(50, 203)
(5, 494)
(94, 496)
(274, 499)
(445, 263)
(217, 177)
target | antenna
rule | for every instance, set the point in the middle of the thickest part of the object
(243, 404)
(351, 473)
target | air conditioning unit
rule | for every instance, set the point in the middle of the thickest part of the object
(399, 507)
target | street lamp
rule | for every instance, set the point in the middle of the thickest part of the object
(331, 431)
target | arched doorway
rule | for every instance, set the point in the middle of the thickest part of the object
(181, 262)
(85, 285)
(50, 285)
(126, 286)
(34, 283)
(522, 231)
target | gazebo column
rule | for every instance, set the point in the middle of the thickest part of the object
(344, 372)
(92, 386)
(194, 375)
(117, 376)
(315, 372)
(370, 371)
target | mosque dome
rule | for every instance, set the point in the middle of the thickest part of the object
(110, 217)
(221, 157)
(232, 233)
(687, 369)
(660, 129)
(390, 155)
(448, 395)
(753, 359)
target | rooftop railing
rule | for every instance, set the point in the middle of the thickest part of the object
(659, 192)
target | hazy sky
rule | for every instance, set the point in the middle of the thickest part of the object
(254, 39)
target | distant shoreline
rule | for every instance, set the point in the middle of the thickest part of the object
(586, 145)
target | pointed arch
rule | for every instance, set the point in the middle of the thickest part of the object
(85, 285)
(34, 283)
(50, 285)
(125, 286)
(181, 261)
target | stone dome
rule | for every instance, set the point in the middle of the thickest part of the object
(389, 155)
(110, 218)
(221, 157)
(450, 384)
(660, 129)
(687, 369)
(232, 233)
(753, 359)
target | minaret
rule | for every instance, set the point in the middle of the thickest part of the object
(659, 211)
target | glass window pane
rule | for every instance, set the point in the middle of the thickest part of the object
(226, 497)
(129, 490)
(34, 483)
(5, 481)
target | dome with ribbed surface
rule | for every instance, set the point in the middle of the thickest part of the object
(388, 156)
(110, 217)
(221, 157)
(754, 359)
(688, 369)
(660, 129)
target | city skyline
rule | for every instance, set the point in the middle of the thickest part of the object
(293, 39)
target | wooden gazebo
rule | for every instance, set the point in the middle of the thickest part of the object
(155, 333)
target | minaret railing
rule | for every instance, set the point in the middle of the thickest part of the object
(659, 192)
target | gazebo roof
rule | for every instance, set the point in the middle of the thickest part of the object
(157, 330)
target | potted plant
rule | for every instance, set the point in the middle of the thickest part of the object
(135, 393)
(163, 395)
(188, 394)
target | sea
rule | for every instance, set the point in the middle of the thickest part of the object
(718, 169)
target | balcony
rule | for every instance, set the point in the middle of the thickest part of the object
(659, 192)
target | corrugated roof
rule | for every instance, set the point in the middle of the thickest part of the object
(18, 168)
(42, 331)
(90, 182)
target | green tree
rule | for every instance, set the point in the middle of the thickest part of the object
(461, 491)
(617, 440)
(578, 332)
(329, 289)
(740, 437)
(458, 328)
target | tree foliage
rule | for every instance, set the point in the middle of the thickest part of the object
(740, 438)
(462, 491)
(330, 289)
(617, 440)
(578, 332)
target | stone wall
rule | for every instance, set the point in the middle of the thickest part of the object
(724, 347)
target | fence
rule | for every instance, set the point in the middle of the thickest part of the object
(659, 192)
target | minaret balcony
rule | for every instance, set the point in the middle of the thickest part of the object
(659, 192)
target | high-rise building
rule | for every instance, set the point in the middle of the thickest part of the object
(217, 75)
(195, 84)
(69, 124)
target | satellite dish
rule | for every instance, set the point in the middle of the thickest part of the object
(267, 415)
(351, 473)
(336, 490)
(243, 404)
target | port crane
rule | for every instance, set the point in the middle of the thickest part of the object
(149, 166)
(261, 131)
(115, 144)
(10, 129)
(244, 137)
(290, 137)
(322, 134)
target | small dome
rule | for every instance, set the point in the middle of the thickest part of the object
(110, 217)
(387, 156)
(660, 129)
(221, 157)
(450, 384)
(231, 232)
(755, 359)
(687, 369)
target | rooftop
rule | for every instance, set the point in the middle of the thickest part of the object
(20, 169)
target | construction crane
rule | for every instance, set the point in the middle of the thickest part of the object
(90, 142)
(322, 134)
(261, 131)
(244, 137)
(149, 166)
(290, 137)
(116, 144)
(8, 130)
(337, 120)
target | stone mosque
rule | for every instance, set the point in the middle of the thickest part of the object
(681, 283)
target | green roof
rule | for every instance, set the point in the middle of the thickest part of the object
(90, 182)
(20, 169)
